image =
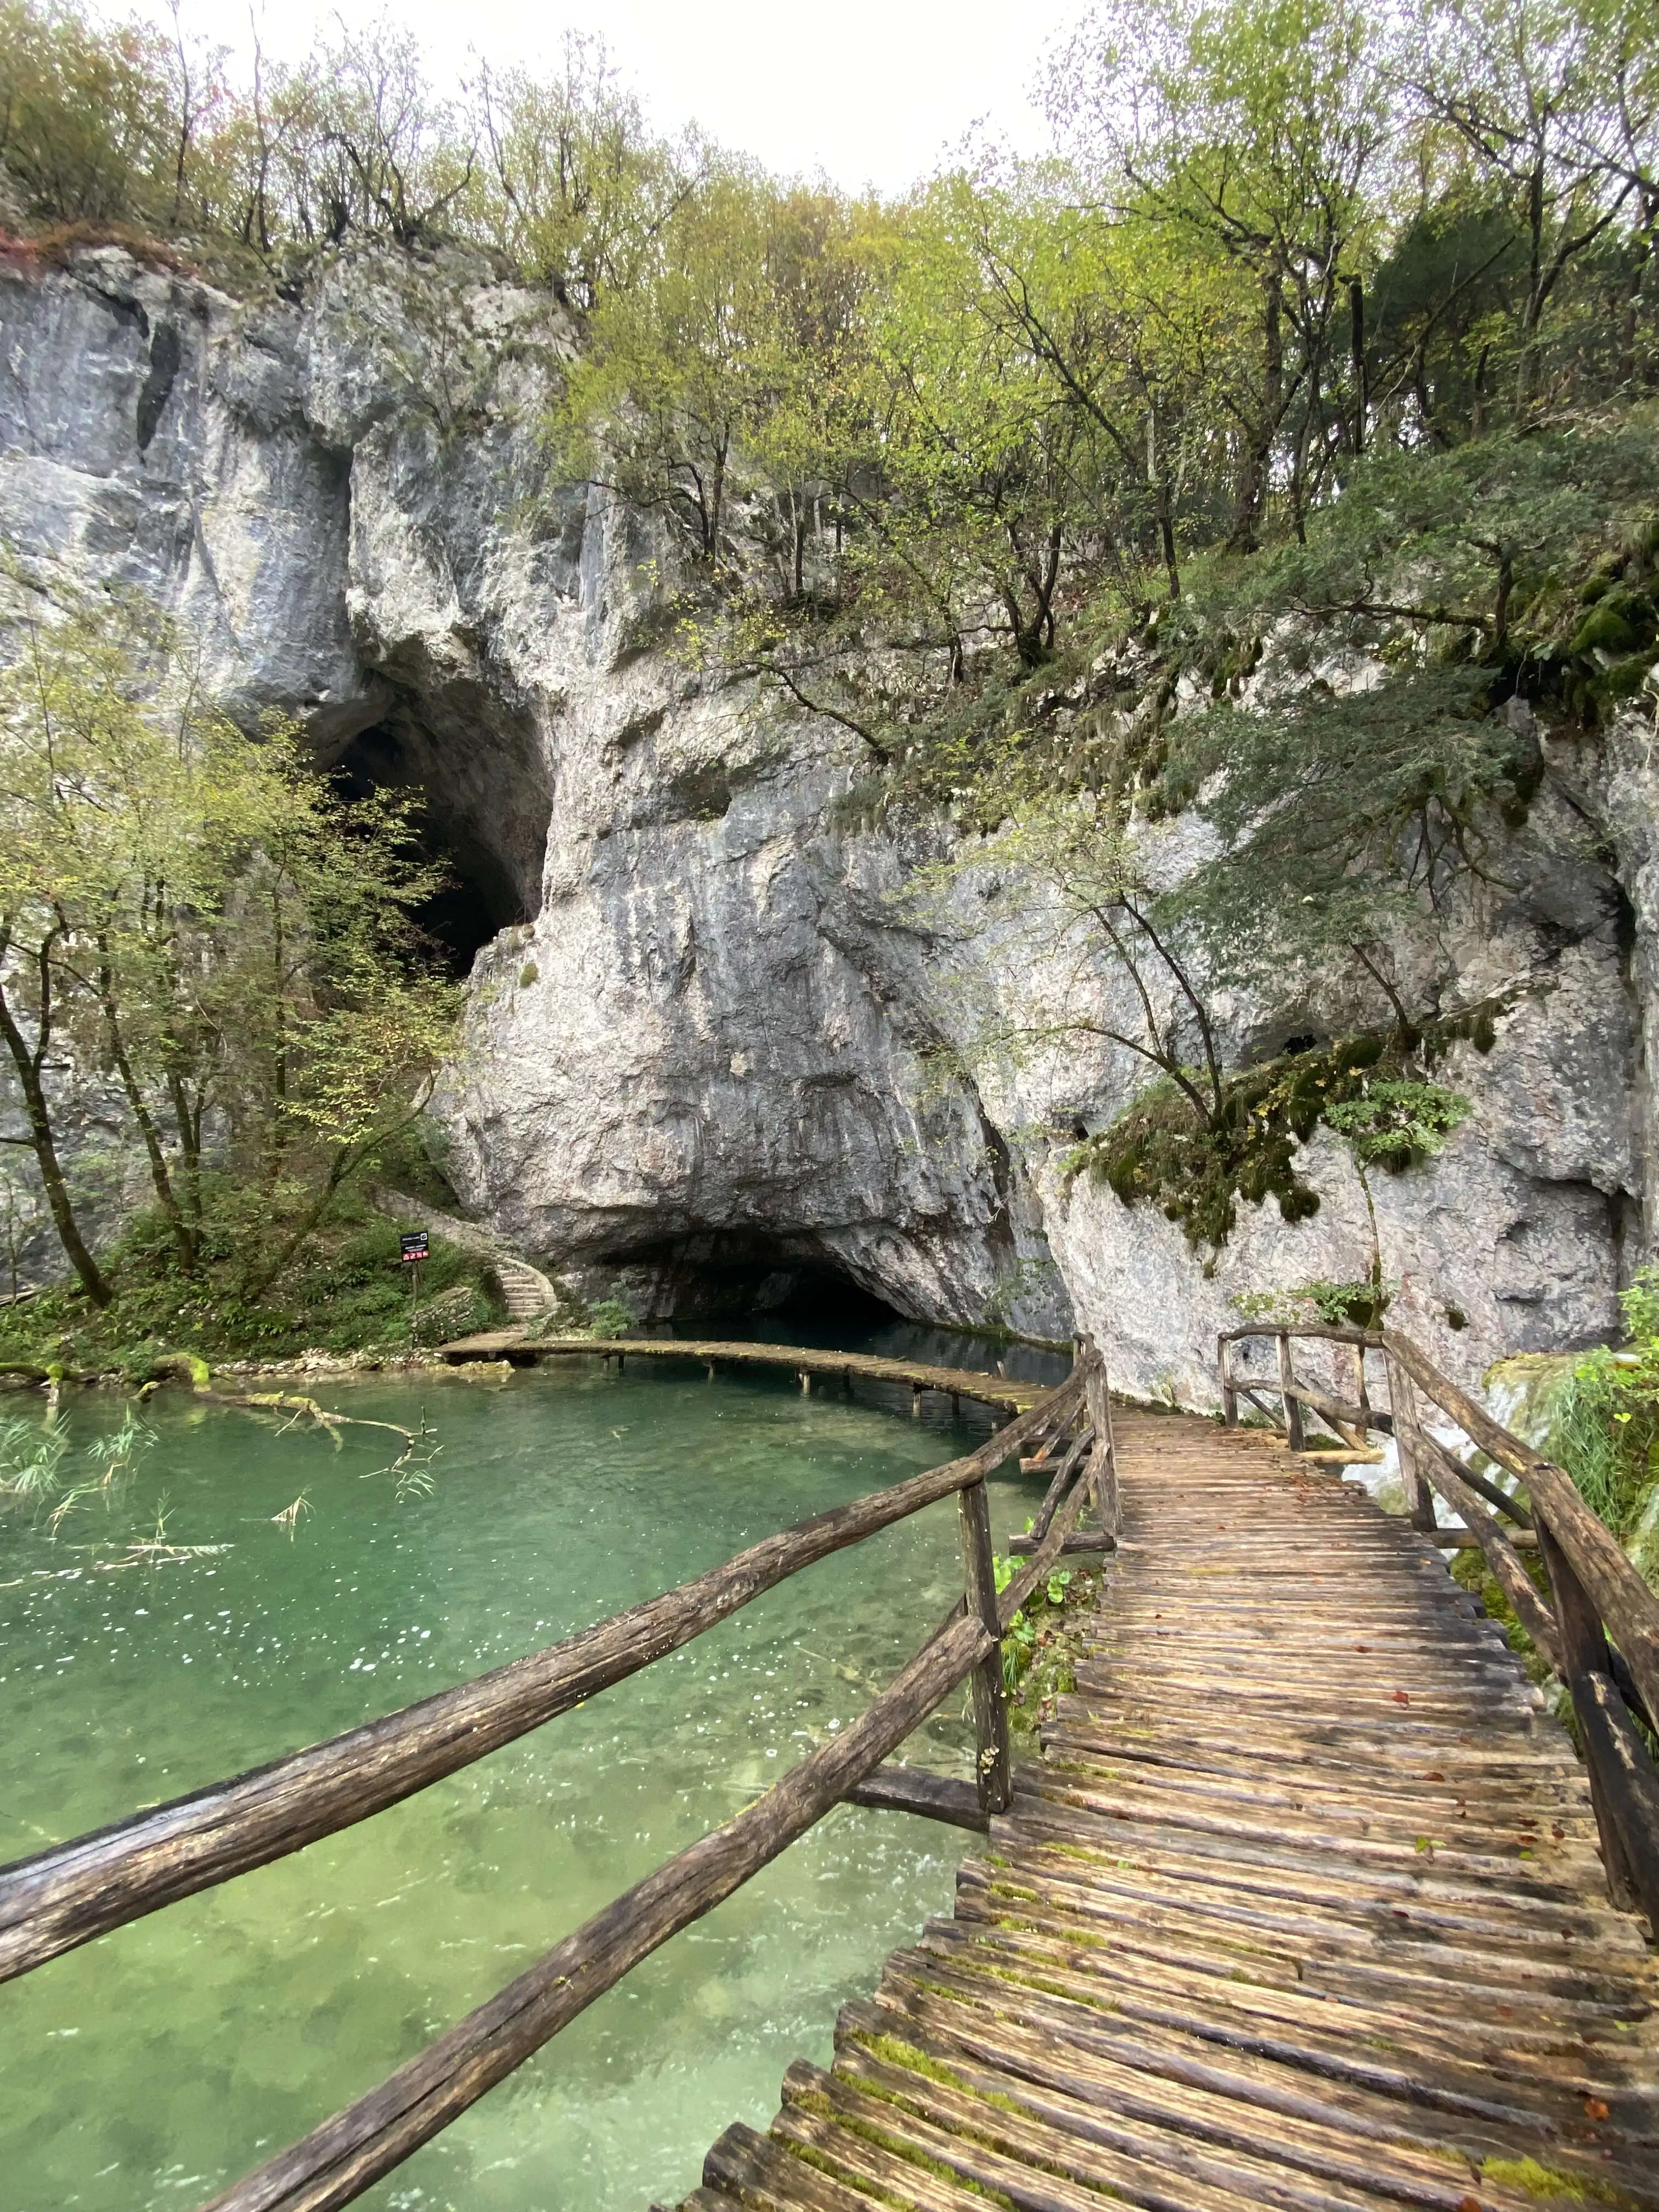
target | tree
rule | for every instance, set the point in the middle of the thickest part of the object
(1252, 129)
(1069, 884)
(1539, 94)
(570, 184)
(193, 911)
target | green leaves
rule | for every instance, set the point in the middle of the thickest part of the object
(1398, 1121)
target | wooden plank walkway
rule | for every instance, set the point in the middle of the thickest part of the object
(1005, 1393)
(1301, 1908)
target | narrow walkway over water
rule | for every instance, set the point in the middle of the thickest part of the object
(1301, 1907)
(1005, 1393)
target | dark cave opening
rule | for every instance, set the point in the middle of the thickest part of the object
(482, 892)
(749, 1285)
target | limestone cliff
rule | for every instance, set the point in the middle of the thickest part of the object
(703, 1039)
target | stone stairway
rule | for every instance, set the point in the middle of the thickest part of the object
(526, 1292)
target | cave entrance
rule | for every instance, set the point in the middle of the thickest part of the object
(750, 1285)
(478, 898)
(481, 778)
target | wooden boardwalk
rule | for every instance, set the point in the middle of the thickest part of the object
(1005, 1393)
(1301, 1907)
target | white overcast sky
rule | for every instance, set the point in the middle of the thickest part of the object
(868, 91)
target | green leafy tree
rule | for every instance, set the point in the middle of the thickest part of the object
(1251, 132)
(194, 912)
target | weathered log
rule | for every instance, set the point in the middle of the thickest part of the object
(1086, 1539)
(1056, 1489)
(1047, 1551)
(341, 2159)
(1103, 1461)
(1625, 1602)
(1479, 1482)
(1584, 1647)
(994, 1756)
(1411, 1448)
(913, 1789)
(1350, 1422)
(1461, 1539)
(1446, 1475)
(1287, 1398)
(63, 1897)
(1321, 1331)
(1628, 1781)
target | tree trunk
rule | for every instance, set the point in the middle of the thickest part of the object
(188, 1120)
(1532, 313)
(1357, 357)
(1500, 613)
(1627, 372)
(28, 1065)
(1245, 536)
(183, 1235)
(1162, 505)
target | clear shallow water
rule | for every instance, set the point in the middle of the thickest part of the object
(150, 2069)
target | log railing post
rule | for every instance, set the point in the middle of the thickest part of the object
(1419, 1499)
(1584, 1653)
(993, 1753)
(1097, 1397)
(1286, 1379)
(1224, 1369)
(1361, 1400)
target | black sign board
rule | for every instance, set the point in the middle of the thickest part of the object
(414, 1247)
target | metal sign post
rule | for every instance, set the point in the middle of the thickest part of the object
(415, 1248)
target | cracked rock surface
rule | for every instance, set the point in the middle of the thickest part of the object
(702, 1035)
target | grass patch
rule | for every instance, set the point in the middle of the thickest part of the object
(1040, 1650)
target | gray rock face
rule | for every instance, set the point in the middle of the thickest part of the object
(703, 1040)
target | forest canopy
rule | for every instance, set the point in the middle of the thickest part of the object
(1271, 237)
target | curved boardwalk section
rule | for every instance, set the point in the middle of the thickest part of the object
(1301, 1907)
(1005, 1393)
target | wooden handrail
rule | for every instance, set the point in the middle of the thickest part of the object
(1596, 1593)
(344, 2156)
(64, 1896)
(1624, 1600)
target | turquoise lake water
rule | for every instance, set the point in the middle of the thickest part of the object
(151, 2068)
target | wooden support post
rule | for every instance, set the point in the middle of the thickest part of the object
(1629, 1782)
(1102, 1473)
(993, 1754)
(621, 1356)
(1292, 1407)
(1360, 1398)
(846, 1382)
(1223, 1360)
(956, 1405)
(1584, 1648)
(711, 1370)
(1419, 1499)
(915, 1401)
(805, 1384)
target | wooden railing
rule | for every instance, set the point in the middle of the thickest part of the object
(1598, 1627)
(66, 1896)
